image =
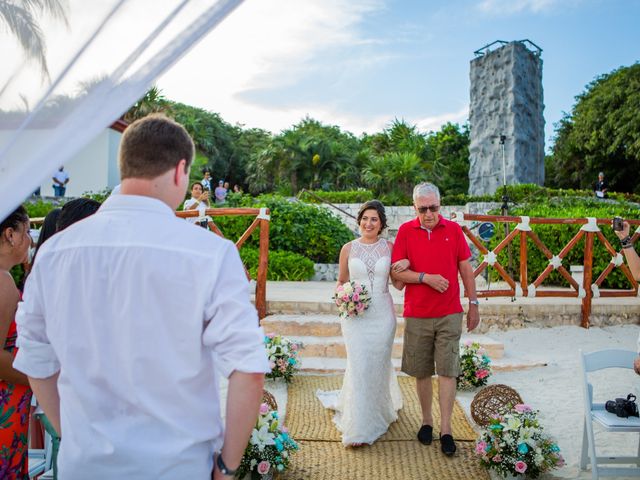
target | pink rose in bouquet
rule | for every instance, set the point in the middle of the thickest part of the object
(352, 299)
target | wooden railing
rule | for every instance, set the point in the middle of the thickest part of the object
(522, 230)
(262, 217)
(261, 221)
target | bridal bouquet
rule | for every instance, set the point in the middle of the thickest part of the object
(283, 356)
(475, 366)
(514, 444)
(269, 449)
(352, 299)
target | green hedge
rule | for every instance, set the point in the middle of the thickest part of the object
(298, 227)
(282, 265)
(347, 196)
(529, 192)
(555, 237)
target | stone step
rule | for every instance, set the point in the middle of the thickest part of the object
(324, 365)
(322, 335)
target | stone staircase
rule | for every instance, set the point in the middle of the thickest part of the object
(324, 350)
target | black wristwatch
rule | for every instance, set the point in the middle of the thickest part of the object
(223, 468)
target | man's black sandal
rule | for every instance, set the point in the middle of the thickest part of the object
(425, 434)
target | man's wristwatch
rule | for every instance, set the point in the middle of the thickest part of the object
(474, 302)
(223, 468)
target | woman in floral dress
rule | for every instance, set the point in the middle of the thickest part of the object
(15, 394)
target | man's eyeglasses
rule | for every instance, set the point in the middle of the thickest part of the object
(429, 208)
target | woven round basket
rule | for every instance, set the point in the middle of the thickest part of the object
(491, 401)
(270, 400)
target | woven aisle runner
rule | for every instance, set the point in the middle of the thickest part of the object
(396, 456)
(307, 419)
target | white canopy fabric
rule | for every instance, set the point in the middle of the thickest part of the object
(101, 57)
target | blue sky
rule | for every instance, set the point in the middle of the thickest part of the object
(361, 63)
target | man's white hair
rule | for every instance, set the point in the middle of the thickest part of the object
(423, 189)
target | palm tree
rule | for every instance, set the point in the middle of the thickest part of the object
(19, 16)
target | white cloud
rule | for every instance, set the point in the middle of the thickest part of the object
(267, 44)
(499, 7)
(434, 123)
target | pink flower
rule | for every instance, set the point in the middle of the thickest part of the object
(520, 466)
(482, 373)
(355, 297)
(522, 408)
(271, 335)
(294, 346)
(345, 298)
(497, 458)
(340, 289)
(467, 343)
(264, 467)
(360, 307)
(272, 365)
(264, 408)
(481, 446)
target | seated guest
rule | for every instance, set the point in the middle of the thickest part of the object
(15, 394)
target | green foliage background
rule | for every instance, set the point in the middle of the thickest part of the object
(555, 237)
(282, 265)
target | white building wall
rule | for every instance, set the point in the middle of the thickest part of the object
(93, 169)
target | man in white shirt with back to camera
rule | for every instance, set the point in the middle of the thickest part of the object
(120, 329)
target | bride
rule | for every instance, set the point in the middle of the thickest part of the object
(370, 396)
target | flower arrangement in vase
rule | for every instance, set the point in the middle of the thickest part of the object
(475, 366)
(514, 444)
(283, 356)
(270, 447)
(352, 299)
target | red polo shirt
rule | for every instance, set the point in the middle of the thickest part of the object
(437, 251)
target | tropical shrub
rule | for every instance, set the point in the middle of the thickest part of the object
(347, 196)
(309, 230)
(555, 237)
(282, 265)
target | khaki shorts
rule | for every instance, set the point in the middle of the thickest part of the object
(432, 340)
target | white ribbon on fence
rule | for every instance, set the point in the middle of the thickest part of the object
(490, 258)
(531, 291)
(595, 290)
(263, 214)
(591, 225)
(617, 260)
(523, 226)
(555, 262)
(581, 292)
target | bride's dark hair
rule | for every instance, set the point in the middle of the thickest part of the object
(378, 207)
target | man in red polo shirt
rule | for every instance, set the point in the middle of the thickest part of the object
(436, 251)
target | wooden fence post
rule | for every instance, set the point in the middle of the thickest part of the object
(263, 262)
(588, 276)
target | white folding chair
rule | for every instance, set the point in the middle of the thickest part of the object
(592, 362)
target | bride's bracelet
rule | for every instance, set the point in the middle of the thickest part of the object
(421, 277)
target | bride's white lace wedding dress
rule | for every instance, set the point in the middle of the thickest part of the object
(370, 396)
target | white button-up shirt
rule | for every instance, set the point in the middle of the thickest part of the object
(134, 307)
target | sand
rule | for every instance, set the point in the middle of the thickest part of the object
(556, 389)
